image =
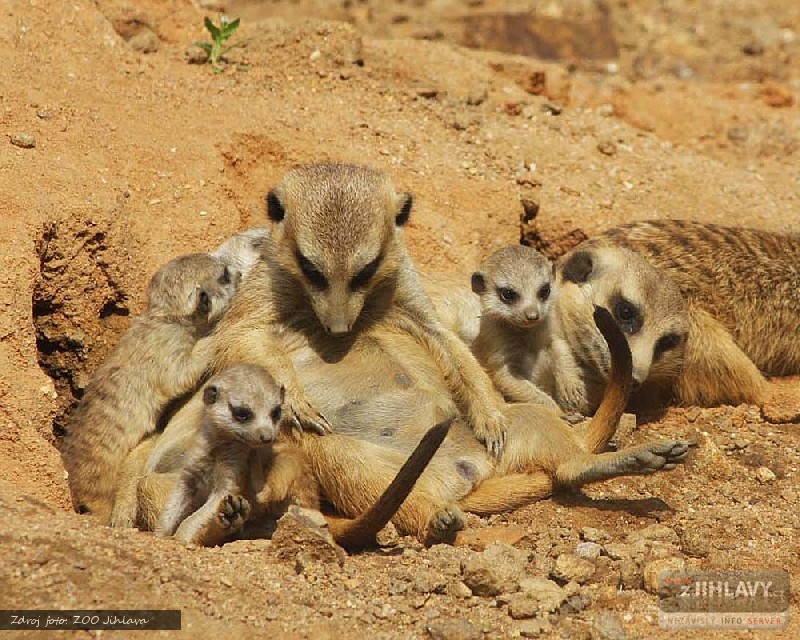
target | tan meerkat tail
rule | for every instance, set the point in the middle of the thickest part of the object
(603, 425)
(506, 493)
(360, 532)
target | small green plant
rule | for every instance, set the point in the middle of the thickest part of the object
(219, 35)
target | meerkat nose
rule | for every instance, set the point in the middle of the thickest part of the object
(266, 437)
(532, 315)
(338, 328)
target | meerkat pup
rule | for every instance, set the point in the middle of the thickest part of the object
(160, 354)
(742, 287)
(243, 413)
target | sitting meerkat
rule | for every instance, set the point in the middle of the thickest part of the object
(741, 286)
(243, 410)
(158, 356)
(510, 326)
(381, 386)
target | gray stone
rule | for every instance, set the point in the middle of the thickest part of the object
(546, 593)
(302, 535)
(593, 534)
(493, 571)
(654, 532)
(23, 140)
(572, 568)
(609, 626)
(588, 550)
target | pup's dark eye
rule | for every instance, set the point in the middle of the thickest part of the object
(507, 295)
(312, 274)
(627, 316)
(666, 343)
(276, 414)
(544, 292)
(365, 275)
(225, 278)
(241, 414)
(204, 302)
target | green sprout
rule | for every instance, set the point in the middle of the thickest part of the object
(219, 34)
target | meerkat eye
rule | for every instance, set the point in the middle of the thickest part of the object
(507, 295)
(666, 343)
(627, 316)
(365, 275)
(203, 302)
(241, 414)
(544, 291)
(276, 414)
(312, 274)
(225, 278)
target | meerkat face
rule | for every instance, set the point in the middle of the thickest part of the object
(195, 287)
(645, 303)
(339, 233)
(516, 286)
(244, 403)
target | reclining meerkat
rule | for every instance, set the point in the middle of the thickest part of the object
(158, 356)
(214, 498)
(505, 321)
(742, 288)
(379, 384)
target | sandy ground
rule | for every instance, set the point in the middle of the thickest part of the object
(592, 114)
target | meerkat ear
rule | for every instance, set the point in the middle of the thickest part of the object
(282, 394)
(479, 283)
(210, 394)
(275, 209)
(404, 210)
(578, 267)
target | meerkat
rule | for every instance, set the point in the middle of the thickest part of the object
(157, 357)
(379, 384)
(243, 410)
(242, 250)
(741, 286)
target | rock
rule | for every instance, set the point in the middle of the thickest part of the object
(458, 589)
(429, 582)
(546, 593)
(494, 571)
(575, 603)
(653, 568)
(589, 550)
(657, 532)
(23, 140)
(607, 148)
(453, 629)
(570, 567)
(609, 626)
(765, 475)
(591, 534)
(695, 543)
(533, 628)
(145, 41)
(521, 607)
(631, 575)
(302, 535)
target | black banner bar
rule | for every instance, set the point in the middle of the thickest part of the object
(62, 620)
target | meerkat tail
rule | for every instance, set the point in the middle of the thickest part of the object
(360, 532)
(505, 493)
(604, 423)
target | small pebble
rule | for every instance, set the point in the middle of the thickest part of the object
(23, 140)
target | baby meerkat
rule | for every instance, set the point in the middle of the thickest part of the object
(516, 286)
(243, 413)
(161, 353)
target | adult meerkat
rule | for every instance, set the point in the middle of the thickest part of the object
(379, 384)
(505, 322)
(214, 498)
(742, 288)
(158, 356)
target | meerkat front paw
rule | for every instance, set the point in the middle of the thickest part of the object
(303, 415)
(233, 512)
(444, 525)
(490, 429)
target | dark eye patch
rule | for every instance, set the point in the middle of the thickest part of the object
(241, 414)
(666, 343)
(628, 315)
(544, 292)
(276, 413)
(312, 274)
(507, 295)
(365, 275)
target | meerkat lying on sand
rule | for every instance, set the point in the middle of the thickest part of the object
(742, 287)
(159, 355)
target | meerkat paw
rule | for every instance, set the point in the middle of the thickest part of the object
(233, 512)
(305, 416)
(444, 525)
(656, 456)
(490, 429)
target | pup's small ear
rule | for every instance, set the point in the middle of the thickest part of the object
(275, 209)
(282, 394)
(405, 202)
(479, 283)
(578, 267)
(210, 394)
